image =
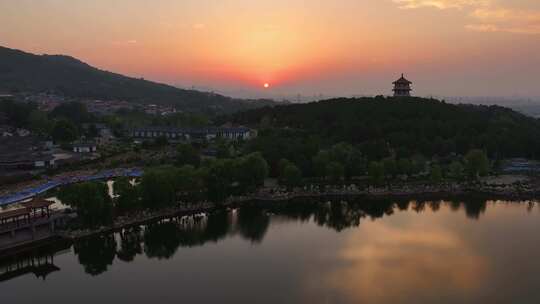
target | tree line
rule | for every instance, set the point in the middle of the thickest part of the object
(402, 127)
(164, 186)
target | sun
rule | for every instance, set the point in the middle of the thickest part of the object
(266, 85)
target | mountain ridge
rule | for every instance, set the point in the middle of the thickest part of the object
(66, 75)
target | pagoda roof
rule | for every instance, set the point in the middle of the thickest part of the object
(402, 79)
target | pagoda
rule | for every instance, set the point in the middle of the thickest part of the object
(402, 87)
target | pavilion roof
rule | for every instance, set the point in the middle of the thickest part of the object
(37, 203)
(14, 213)
(402, 79)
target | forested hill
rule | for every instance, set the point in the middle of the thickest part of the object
(25, 72)
(405, 126)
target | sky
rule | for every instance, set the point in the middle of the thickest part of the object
(308, 47)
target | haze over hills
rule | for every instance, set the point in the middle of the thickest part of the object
(68, 76)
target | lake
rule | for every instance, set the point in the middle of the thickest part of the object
(460, 251)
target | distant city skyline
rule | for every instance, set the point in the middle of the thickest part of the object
(334, 48)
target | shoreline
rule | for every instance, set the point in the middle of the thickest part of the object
(145, 217)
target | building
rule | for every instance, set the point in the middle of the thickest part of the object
(84, 147)
(402, 87)
(24, 153)
(188, 134)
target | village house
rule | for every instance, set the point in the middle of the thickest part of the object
(24, 153)
(84, 147)
(187, 134)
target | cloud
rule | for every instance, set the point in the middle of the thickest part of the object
(440, 4)
(500, 19)
(485, 15)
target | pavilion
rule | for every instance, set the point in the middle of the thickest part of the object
(402, 87)
(28, 213)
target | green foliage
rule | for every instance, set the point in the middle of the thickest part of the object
(17, 113)
(186, 154)
(75, 112)
(158, 187)
(161, 142)
(335, 171)
(376, 172)
(220, 179)
(291, 176)
(275, 145)
(252, 170)
(383, 127)
(91, 200)
(349, 157)
(64, 131)
(476, 163)
(435, 174)
(390, 167)
(456, 170)
(418, 163)
(39, 123)
(127, 195)
(404, 166)
(320, 162)
(234, 176)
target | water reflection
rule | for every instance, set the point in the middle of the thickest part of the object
(130, 244)
(96, 254)
(162, 239)
(385, 263)
(354, 251)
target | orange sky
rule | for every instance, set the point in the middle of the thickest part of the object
(341, 47)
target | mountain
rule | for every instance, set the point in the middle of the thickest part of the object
(403, 126)
(25, 72)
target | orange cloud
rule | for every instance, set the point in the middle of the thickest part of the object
(440, 4)
(499, 19)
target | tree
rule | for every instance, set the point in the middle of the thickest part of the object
(64, 131)
(92, 131)
(282, 164)
(127, 196)
(335, 171)
(157, 188)
(190, 180)
(404, 166)
(390, 167)
(38, 122)
(435, 174)
(320, 163)
(75, 112)
(220, 177)
(292, 176)
(456, 170)
(476, 163)
(350, 157)
(376, 172)
(16, 113)
(186, 154)
(418, 163)
(91, 201)
(223, 150)
(253, 170)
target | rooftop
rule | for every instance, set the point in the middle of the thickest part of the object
(402, 80)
